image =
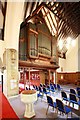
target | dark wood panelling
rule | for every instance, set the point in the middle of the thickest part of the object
(68, 78)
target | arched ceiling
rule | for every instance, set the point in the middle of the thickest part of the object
(62, 18)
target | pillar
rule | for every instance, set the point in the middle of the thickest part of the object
(14, 17)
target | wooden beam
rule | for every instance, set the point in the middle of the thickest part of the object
(35, 12)
(38, 9)
(53, 22)
(40, 18)
(51, 11)
(48, 19)
(70, 7)
(2, 8)
(37, 65)
(33, 4)
(26, 7)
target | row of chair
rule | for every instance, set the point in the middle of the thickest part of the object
(56, 86)
(77, 93)
(51, 87)
(46, 89)
(58, 105)
(72, 98)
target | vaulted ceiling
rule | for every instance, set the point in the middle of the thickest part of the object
(62, 18)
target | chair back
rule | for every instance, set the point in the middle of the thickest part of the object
(60, 105)
(41, 85)
(36, 87)
(49, 100)
(40, 89)
(78, 93)
(44, 85)
(58, 87)
(52, 87)
(44, 89)
(48, 86)
(72, 91)
(26, 88)
(63, 94)
(78, 88)
(73, 97)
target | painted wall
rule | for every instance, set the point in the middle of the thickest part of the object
(72, 58)
(14, 17)
(62, 63)
(70, 64)
(1, 49)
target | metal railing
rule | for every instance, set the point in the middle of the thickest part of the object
(33, 52)
(44, 50)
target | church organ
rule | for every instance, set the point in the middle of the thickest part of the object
(37, 44)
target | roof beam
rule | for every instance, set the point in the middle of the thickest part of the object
(2, 8)
(51, 11)
(35, 12)
(26, 7)
(48, 21)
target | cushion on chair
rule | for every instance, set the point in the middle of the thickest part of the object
(67, 109)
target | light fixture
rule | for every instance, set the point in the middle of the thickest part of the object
(60, 44)
(61, 77)
(69, 40)
(73, 43)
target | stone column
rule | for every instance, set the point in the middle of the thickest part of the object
(14, 17)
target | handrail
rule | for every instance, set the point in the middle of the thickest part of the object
(44, 48)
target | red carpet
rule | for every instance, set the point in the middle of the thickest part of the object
(6, 111)
(0, 88)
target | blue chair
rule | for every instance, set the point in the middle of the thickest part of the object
(72, 91)
(50, 84)
(48, 87)
(63, 108)
(50, 103)
(64, 96)
(45, 91)
(39, 95)
(73, 100)
(78, 88)
(36, 87)
(55, 86)
(44, 85)
(52, 88)
(41, 85)
(58, 87)
(26, 88)
(78, 94)
(40, 90)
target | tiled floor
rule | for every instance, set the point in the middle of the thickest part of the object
(41, 106)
